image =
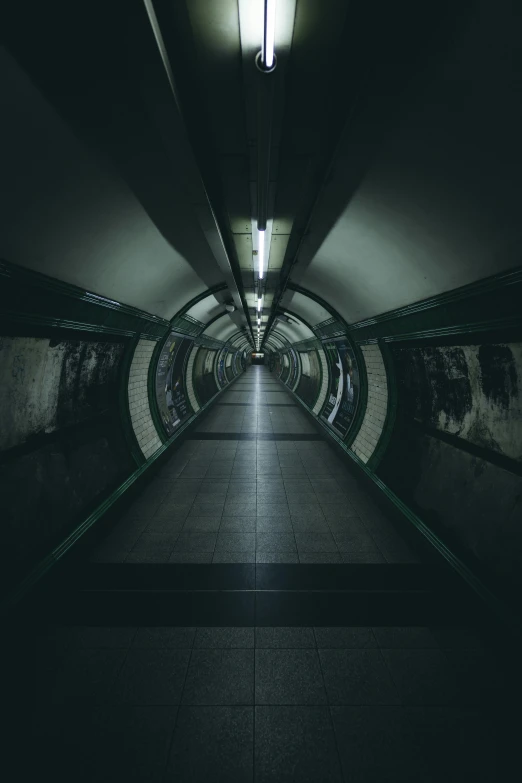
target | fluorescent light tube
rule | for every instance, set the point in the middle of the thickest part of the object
(261, 252)
(267, 47)
(259, 304)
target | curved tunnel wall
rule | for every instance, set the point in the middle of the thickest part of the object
(89, 398)
(440, 424)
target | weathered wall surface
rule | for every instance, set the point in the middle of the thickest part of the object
(472, 391)
(455, 453)
(61, 444)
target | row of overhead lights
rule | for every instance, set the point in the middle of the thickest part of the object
(266, 62)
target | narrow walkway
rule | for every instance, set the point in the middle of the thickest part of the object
(255, 483)
(312, 647)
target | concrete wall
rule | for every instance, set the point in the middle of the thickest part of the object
(61, 444)
(455, 453)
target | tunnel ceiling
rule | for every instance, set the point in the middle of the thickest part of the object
(394, 151)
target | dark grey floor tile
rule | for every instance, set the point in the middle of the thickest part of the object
(248, 556)
(160, 637)
(227, 638)
(407, 637)
(240, 509)
(315, 542)
(274, 525)
(212, 509)
(84, 676)
(362, 557)
(124, 742)
(422, 676)
(238, 524)
(196, 542)
(295, 744)
(220, 677)
(212, 745)
(284, 638)
(276, 557)
(273, 510)
(152, 676)
(357, 677)
(275, 542)
(356, 637)
(236, 542)
(288, 677)
(351, 526)
(191, 557)
(210, 524)
(338, 511)
(376, 744)
(355, 542)
(319, 557)
(150, 556)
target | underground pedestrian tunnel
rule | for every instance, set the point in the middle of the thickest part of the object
(260, 388)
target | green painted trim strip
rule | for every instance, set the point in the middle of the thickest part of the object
(23, 276)
(491, 600)
(488, 284)
(448, 331)
(45, 565)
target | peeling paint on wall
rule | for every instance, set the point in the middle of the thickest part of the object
(472, 391)
(47, 384)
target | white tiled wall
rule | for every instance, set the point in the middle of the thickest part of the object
(371, 428)
(324, 385)
(188, 379)
(142, 423)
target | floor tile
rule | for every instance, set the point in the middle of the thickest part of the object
(191, 557)
(248, 556)
(284, 638)
(220, 677)
(164, 637)
(238, 524)
(276, 557)
(152, 676)
(376, 743)
(357, 677)
(345, 638)
(274, 525)
(422, 676)
(212, 745)
(215, 638)
(319, 557)
(196, 542)
(236, 542)
(315, 542)
(288, 677)
(295, 744)
(275, 542)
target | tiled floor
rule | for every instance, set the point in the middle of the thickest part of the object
(265, 704)
(261, 497)
(293, 704)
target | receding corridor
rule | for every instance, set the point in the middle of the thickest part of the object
(266, 672)
(260, 391)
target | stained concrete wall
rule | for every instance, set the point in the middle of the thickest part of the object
(455, 453)
(61, 444)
